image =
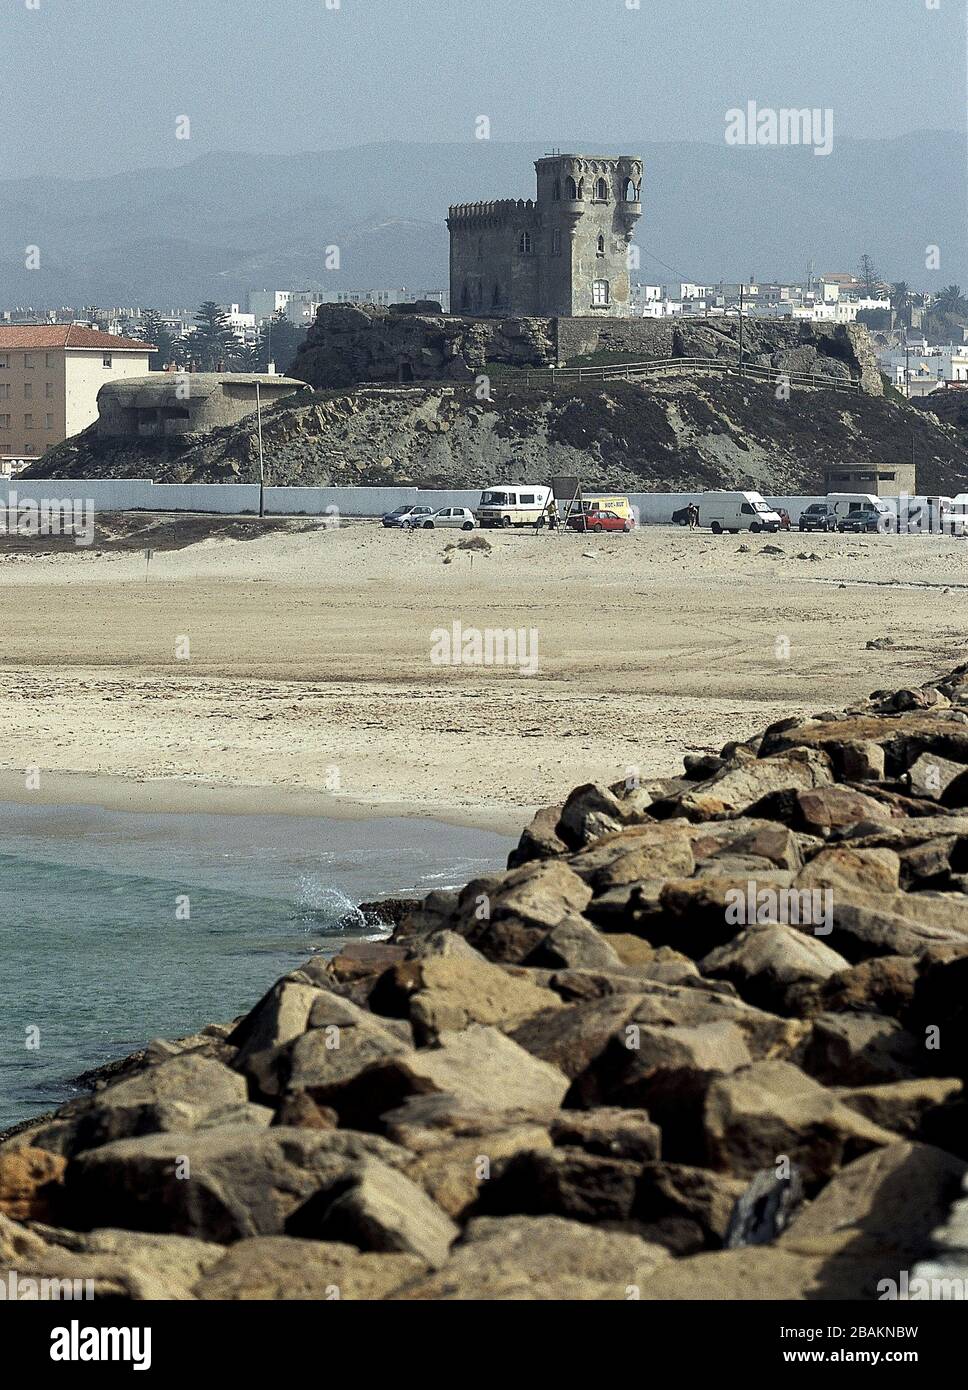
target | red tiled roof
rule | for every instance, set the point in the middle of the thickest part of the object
(64, 335)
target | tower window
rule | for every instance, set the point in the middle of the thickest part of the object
(631, 191)
(571, 188)
(600, 296)
(601, 244)
(601, 190)
(556, 242)
(556, 191)
(465, 298)
(525, 244)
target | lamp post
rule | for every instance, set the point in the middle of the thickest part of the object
(262, 469)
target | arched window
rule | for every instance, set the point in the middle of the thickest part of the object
(556, 191)
(581, 188)
(601, 243)
(571, 188)
(600, 295)
(556, 242)
(601, 190)
(631, 191)
(524, 243)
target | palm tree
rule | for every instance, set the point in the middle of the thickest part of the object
(951, 301)
(901, 299)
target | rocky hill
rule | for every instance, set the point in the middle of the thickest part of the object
(706, 1038)
(680, 434)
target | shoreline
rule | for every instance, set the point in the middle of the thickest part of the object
(164, 796)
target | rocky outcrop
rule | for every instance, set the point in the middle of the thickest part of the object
(356, 344)
(704, 1039)
(672, 434)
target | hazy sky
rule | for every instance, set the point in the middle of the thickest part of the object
(96, 86)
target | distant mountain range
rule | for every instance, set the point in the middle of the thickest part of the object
(221, 225)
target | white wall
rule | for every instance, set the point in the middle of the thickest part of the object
(242, 499)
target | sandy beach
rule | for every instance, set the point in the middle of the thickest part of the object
(307, 685)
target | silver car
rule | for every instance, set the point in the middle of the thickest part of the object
(407, 516)
(461, 517)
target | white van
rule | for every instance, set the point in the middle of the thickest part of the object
(843, 503)
(513, 504)
(737, 511)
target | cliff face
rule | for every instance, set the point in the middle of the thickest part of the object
(685, 434)
(352, 344)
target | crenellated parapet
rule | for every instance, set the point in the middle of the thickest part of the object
(487, 214)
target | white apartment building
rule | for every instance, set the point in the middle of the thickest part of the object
(50, 375)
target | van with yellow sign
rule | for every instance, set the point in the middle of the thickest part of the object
(621, 506)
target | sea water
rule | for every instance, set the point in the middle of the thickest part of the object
(118, 928)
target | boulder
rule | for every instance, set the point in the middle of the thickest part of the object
(575, 945)
(182, 1093)
(857, 870)
(773, 1110)
(572, 1037)
(540, 1258)
(764, 962)
(886, 1203)
(452, 1173)
(860, 1050)
(563, 1182)
(737, 789)
(30, 1180)
(609, 1132)
(900, 1106)
(375, 1207)
(679, 1190)
(650, 1064)
(446, 992)
(283, 1268)
(479, 1066)
(221, 1185)
(107, 1264)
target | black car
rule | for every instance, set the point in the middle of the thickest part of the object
(864, 519)
(681, 517)
(818, 517)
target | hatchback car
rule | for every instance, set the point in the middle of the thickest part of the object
(818, 517)
(407, 516)
(461, 517)
(600, 521)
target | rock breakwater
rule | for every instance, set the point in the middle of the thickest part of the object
(706, 1038)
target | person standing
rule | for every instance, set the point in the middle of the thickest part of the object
(693, 516)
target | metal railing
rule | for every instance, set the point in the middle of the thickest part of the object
(636, 371)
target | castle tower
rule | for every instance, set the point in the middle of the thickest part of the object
(564, 255)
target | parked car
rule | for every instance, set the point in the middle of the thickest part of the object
(681, 517)
(864, 519)
(600, 521)
(461, 517)
(818, 517)
(406, 516)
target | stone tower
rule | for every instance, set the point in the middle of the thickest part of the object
(565, 254)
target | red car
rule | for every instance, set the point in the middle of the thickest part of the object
(599, 521)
